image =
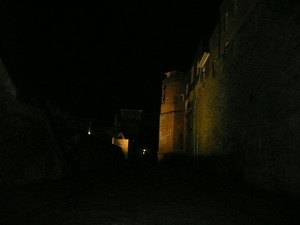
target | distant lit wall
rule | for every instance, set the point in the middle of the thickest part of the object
(206, 102)
(123, 143)
(171, 115)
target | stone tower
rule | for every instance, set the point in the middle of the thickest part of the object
(171, 115)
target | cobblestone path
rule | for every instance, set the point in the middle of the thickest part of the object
(145, 195)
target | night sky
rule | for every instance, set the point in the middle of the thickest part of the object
(95, 57)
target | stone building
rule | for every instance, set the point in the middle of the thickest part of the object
(171, 115)
(242, 108)
(141, 129)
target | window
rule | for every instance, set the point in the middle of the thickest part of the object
(201, 66)
(226, 21)
(225, 49)
(169, 132)
(192, 74)
(214, 66)
(182, 97)
(190, 118)
(186, 105)
(235, 6)
(198, 68)
(189, 115)
(163, 99)
(187, 89)
(203, 73)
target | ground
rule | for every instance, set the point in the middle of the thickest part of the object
(145, 194)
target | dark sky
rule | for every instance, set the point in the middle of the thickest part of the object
(92, 57)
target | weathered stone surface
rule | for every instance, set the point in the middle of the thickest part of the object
(246, 121)
(29, 152)
(145, 194)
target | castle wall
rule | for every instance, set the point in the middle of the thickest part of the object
(171, 116)
(263, 111)
(247, 110)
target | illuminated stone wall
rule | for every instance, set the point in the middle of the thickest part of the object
(123, 143)
(171, 115)
(246, 112)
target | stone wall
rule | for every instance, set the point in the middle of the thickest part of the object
(248, 110)
(263, 112)
(171, 116)
(29, 152)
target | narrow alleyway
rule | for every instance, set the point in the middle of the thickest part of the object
(145, 194)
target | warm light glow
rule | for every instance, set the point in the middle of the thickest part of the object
(123, 143)
(89, 131)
